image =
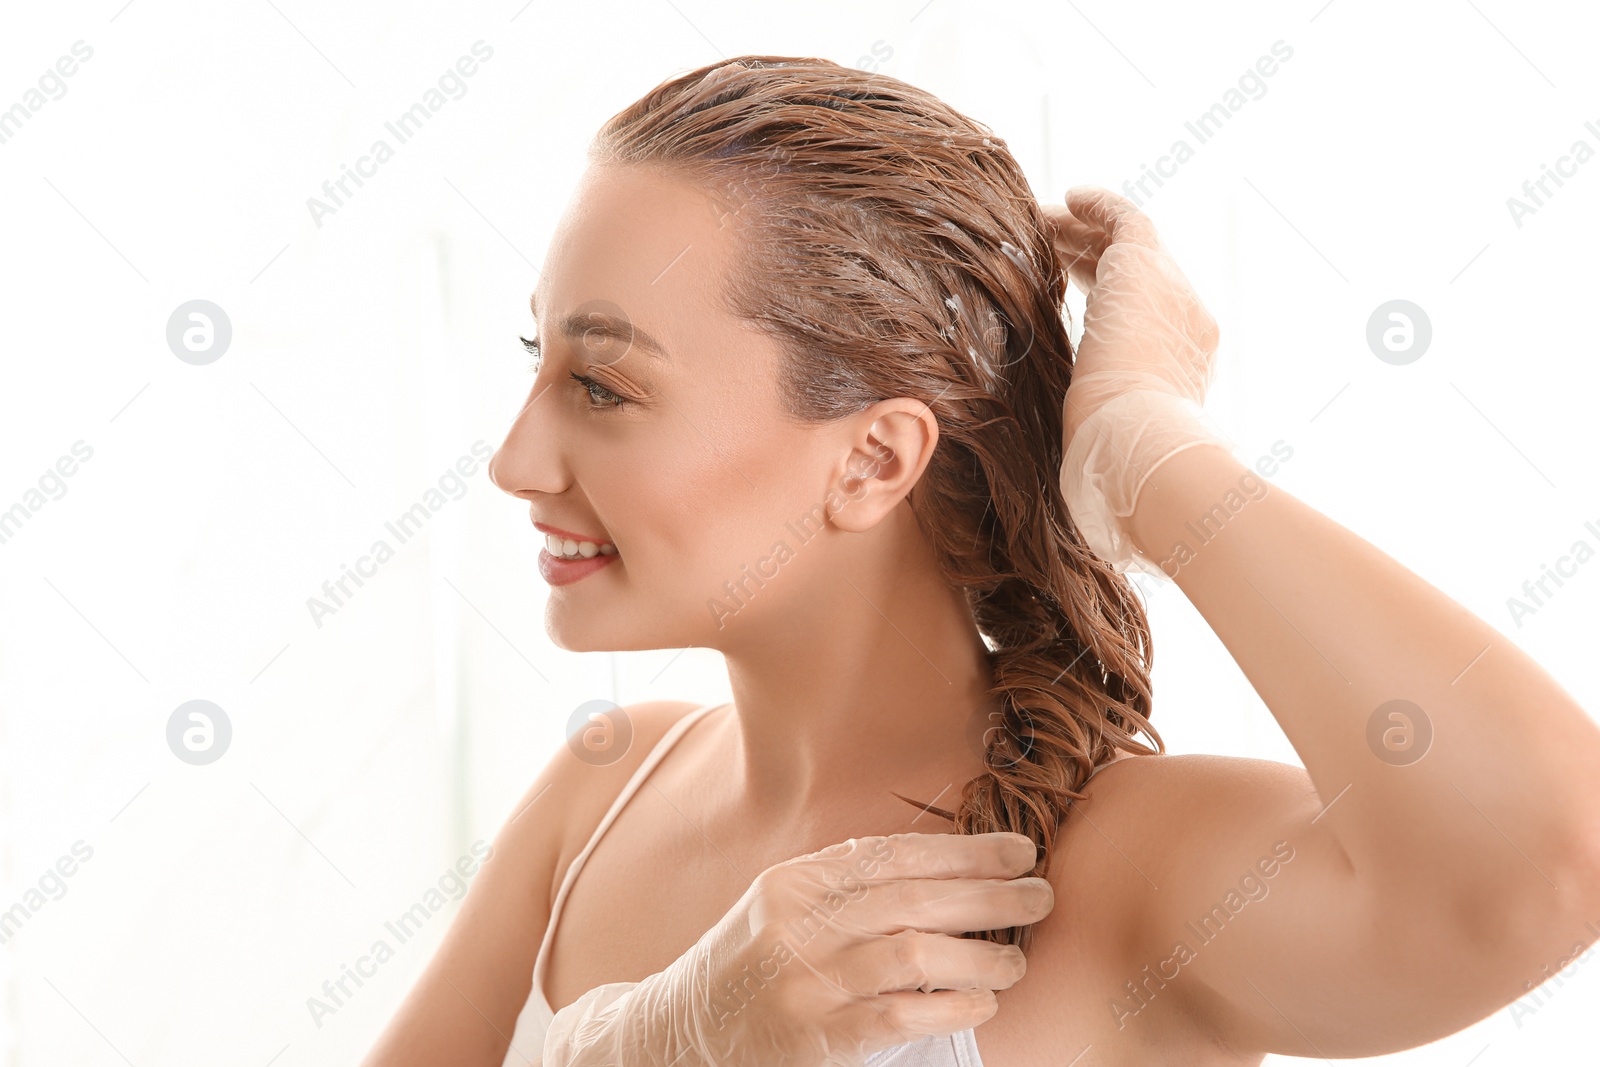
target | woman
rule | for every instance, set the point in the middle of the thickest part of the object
(803, 387)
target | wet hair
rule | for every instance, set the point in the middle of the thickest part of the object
(893, 248)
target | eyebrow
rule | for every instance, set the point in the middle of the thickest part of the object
(621, 330)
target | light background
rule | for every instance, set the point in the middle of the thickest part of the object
(369, 353)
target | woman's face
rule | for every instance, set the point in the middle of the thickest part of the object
(697, 474)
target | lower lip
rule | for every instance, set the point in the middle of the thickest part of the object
(559, 571)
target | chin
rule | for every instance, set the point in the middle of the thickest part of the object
(573, 634)
(577, 628)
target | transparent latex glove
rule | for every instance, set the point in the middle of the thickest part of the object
(1144, 363)
(826, 959)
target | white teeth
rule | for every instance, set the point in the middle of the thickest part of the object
(567, 548)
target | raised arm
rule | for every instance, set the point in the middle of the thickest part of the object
(1451, 852)
(1441, 850)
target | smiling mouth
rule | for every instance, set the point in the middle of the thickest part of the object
(567, 546)
(573, 548)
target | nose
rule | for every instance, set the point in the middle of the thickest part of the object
(529, 461)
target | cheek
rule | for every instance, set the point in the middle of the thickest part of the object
(705, 506)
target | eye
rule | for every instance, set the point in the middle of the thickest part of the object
(600, 398)
(599, 395)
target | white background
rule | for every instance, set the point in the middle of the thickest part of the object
(370, 353)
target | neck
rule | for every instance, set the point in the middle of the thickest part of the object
(885, 690)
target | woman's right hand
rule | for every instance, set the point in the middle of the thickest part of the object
(826, 959)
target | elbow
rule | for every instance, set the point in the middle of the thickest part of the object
(1523, 910)
(1572, 863)
(1585, 869)
(1556, 903)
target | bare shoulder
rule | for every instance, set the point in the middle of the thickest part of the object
(1144, 817)
(587, 775)
(569, 796)
(468, 998)
(600, 759)
(1164, 852)
(1134, 785)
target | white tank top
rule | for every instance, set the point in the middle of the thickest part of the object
(527, 1041)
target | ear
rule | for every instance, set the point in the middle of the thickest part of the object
(890, 444)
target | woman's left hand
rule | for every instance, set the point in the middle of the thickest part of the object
(1144, 325)
(1143, 365)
